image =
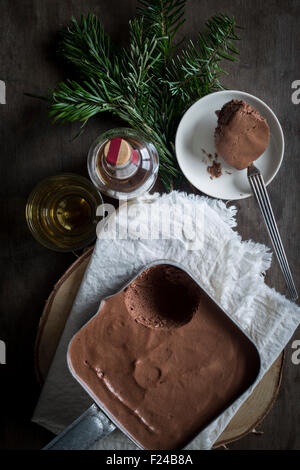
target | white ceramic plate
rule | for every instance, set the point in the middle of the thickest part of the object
(195, 133)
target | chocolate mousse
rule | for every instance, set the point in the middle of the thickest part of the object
(164, 382)
(242, 134)
(162, 297)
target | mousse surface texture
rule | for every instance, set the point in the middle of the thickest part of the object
(160, 376)
(242, 134)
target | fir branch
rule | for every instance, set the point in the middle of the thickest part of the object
(196, 71)
(163, 18)
(71, 101)
(144, 85)
(138, 62)
(89, 49)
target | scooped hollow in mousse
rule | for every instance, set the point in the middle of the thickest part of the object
(162, 297)
(242, 134)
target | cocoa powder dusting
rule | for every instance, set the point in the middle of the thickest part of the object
(214, 170)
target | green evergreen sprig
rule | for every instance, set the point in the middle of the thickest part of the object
(196, 71)
(147, 85)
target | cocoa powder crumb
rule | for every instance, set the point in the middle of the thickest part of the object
(214, 170)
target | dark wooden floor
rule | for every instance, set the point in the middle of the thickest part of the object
(32, 148)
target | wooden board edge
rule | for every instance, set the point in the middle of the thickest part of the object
(47, 309)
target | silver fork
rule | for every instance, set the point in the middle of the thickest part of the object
(259, 189)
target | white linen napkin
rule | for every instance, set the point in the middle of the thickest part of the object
(203, 241)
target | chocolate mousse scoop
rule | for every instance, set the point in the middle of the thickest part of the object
(162, 385)
(162, 297)
(242, 134)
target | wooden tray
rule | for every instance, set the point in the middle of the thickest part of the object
(52, 322)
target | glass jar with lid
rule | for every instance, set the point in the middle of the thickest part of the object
(123, 164)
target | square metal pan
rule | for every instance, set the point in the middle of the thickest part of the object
(102, 407)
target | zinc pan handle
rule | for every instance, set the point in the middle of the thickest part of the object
(85, 431)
